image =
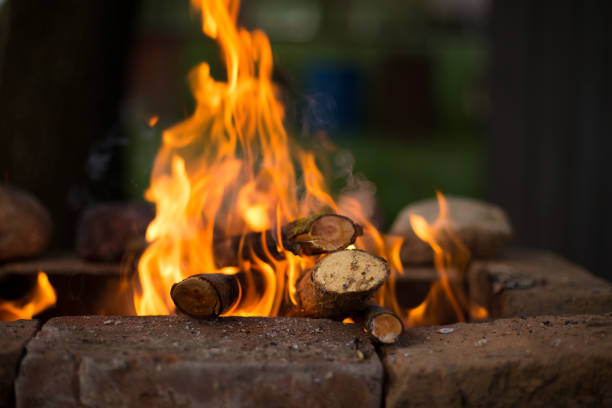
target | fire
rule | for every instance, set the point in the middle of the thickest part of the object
(231, 169)
(41, 298)
(446, 301)
(227, 170)
(153, 120)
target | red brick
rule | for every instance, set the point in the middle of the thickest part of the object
(537, 362)
(174, 361)
(533, 283)
(13, 338)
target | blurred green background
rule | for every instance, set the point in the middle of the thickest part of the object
(503, 100)
(398, 84)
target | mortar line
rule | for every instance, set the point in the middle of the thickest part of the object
(22, 357)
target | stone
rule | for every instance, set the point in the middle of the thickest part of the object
(25, 224)
(484, 228)
(13, 338)
(81, 287)
(537, 362)
(169, 361)
(532, 283)
(107, 232)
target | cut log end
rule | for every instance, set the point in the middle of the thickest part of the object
(386, 328)
(340, 283)
(382, 324)
(326, 233)
(305, 236)
(350, 271)
(206, 295)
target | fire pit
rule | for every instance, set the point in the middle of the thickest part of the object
(251, 285)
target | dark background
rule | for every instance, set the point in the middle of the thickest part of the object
(507, 101)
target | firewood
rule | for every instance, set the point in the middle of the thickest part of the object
(382, 324)
(306, 236)
(206, 295)
(340, 283)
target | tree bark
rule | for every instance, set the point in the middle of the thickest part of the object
(382, 324)
(306, 236)
(339, 284)
(206, 295)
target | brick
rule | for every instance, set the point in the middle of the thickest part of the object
(168, 361)
(82, 287)
(539, 362)
(13, 338)
(483, 227)
(533, 283)
(109, 231)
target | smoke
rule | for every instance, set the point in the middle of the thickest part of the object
(103, 171)
(318, 112)
(101, 153)
(358, 188)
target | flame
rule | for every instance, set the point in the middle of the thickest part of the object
(227, 170)
(232, 169)
(153, 120)
(446, 301)
(42, 297)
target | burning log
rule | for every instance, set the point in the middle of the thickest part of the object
(340, 283)
(306, 236)
(206, 295)
(382, 324)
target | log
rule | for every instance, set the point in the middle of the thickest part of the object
(206, 295)
(380, 323)
(306, 236)
(339, 284)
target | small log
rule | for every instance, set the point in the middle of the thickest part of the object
(320, 234)
(380, 323)
(306, 236)
(206, 295)
(340, 283)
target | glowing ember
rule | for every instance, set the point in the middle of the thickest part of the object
(153, 120)
(42, 297)
(231, 169)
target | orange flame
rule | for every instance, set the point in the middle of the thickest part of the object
(232, 169)
(225, 171)
(446, 301)
(40, 299)
(153, 120)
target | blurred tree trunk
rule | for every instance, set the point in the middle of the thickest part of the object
(60, 79)
(549, 145)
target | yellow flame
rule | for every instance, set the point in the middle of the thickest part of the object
(225, 171)
(446, 296)
(42, 297)
(153, 120)
(231, 169)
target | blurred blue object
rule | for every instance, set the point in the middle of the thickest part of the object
(334, 93)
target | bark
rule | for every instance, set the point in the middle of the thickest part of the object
(306, 236)
(206, 295)
(380, 323)
(340, 283)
